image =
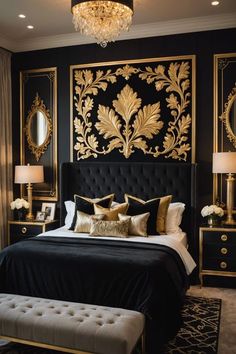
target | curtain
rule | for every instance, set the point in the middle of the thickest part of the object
(6, 194)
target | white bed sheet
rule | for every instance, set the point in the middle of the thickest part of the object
(178, 242)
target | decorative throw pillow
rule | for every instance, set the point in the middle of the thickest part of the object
(161, 210)
(109, 228)
(84, 221)
(174, 217)
(137, 223)
(111, 214)
(85, 205)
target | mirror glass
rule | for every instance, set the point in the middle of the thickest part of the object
(38, 128)
(232, 115)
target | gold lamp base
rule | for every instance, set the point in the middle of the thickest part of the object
(29, 215)
(230, 200)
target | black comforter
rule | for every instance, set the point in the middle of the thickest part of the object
(144, 277)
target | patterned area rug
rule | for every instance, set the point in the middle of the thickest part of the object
(199, 334)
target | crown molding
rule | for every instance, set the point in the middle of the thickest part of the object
(6, 43)
(187, 25)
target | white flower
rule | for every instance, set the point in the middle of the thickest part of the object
(19, 203)
(212, 210)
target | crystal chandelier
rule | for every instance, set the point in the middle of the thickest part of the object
(102, 19)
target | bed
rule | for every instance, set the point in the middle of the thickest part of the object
(137, 273)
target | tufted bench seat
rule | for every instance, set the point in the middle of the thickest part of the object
(68, 326)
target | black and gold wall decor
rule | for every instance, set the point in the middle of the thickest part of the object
(224, 113)
(38, 132)
(131, 107)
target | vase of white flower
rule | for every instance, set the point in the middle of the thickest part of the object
(20, 207)
(213, 213)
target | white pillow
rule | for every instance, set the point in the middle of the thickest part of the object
(70, 209)
(174, 217)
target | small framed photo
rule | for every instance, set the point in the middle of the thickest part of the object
(49, 210)
(40, 216)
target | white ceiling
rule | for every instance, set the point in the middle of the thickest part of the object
(53, 26)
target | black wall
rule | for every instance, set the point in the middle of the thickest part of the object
(203, 44)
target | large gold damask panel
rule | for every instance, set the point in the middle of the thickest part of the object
(224, 113)
(134, 108)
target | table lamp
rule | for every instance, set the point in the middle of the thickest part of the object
(29, 174)
(225, 162)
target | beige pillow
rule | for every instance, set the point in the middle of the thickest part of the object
(137, 223)
(161, 213)
(109, 228)
(111, 214)
(84, 221)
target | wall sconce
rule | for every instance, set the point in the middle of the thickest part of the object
(225, 162)
(29, 174)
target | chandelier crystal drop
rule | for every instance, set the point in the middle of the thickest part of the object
(102, 19)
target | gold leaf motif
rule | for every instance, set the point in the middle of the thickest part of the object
(127, 103)
(109, 124)
(126, 71)
(146, 122)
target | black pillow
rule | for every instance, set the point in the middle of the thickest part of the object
(86, 206)
(135, 207)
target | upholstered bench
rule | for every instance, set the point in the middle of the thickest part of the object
(68, 326)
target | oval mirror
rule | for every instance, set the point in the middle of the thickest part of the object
(38, 128)
(229, 117)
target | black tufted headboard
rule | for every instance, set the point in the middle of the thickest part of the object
(145, 180)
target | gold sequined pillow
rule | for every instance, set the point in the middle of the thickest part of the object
(137, 223)
(111, 214)
(162, 209)
(84, 221)
(109, 228)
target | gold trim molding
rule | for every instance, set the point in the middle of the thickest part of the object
(127, 124)
(35, 84)
(223, 137)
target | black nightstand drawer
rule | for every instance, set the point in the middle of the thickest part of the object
(218, 250)
(25, 230)
(226, 264)
(222, 237)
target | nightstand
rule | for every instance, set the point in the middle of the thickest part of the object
(20, 230)
(217, 251)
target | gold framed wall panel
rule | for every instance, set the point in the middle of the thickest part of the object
(224, 82)
(42, 83)
(109, 101)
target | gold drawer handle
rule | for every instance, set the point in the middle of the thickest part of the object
(224, 250)
(24, 230)
(223, 265)
(224, 237)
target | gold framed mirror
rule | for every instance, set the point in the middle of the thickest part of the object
(38, 128)
(38, 132)
(229, 116)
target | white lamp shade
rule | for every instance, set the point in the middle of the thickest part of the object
(224, 162)
(29, 174)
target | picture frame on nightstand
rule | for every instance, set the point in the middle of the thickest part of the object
(49, 209)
